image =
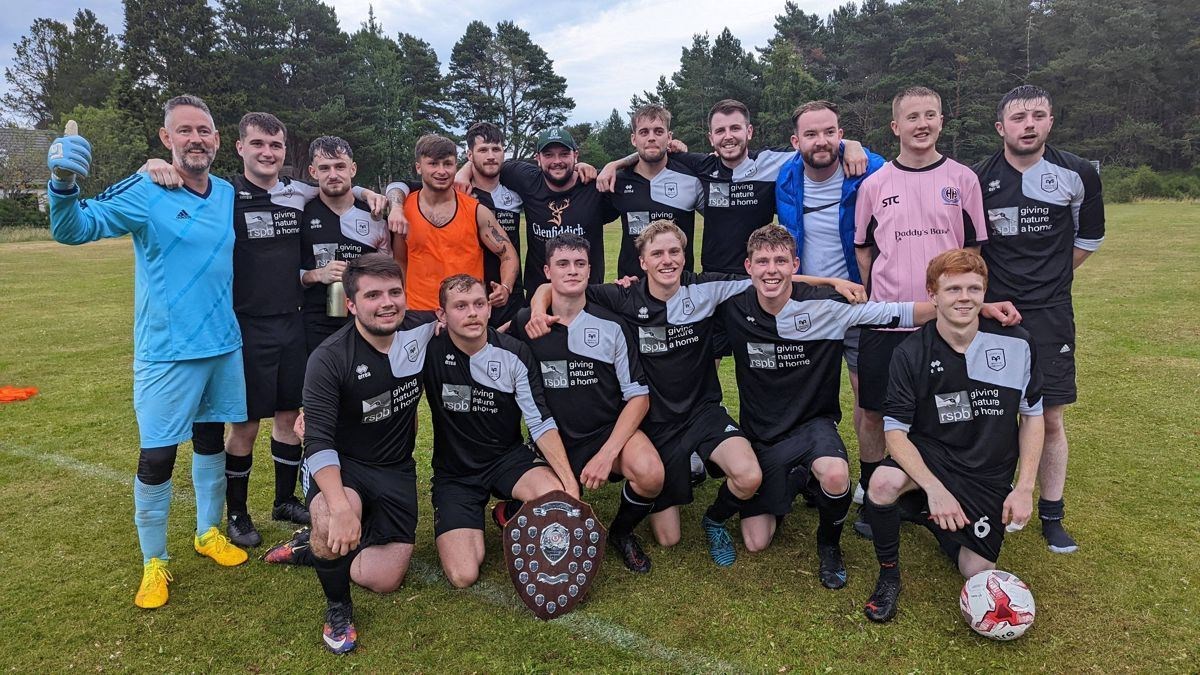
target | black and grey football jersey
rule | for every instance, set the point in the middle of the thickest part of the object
(477, 402)
(674, 338)
(673, 194)
(735, 203)
(326, 237)
(588, 369)
(789, 365)
(1035, 219)
(964, 408)
(361, 403)
(266, 250)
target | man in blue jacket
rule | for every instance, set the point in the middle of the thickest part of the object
(808, 189)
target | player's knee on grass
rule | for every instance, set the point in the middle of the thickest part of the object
(155, 465)
(382, 568)
(758, 531)
(460, 573)
(665, 527)
(887, 484)
(971, 563)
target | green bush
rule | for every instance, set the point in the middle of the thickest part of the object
(1124, 184)
(22, 210)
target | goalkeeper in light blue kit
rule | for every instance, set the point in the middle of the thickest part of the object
(187, 359)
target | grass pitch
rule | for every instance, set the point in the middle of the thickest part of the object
(1128, 601)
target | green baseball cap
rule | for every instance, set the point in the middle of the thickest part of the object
(558, 135)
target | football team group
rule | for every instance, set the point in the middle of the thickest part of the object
(945, 289)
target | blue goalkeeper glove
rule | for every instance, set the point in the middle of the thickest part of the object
(70, 156)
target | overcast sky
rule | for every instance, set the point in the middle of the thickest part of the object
(608, 51)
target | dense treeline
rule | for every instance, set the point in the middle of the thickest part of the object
(1124, 73)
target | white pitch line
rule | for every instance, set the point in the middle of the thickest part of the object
(429, 574)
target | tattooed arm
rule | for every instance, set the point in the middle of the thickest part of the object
(494, 238)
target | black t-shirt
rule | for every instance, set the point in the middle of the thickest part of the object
(789, 365)
(266, 249)
(506, 205)
(1035, 220)
(477, 402)
(581, 210)
(588, 369)
(962, 409)
(674, 338)
(735, 202)
(326, 237)
(673, 194)
(361, 403)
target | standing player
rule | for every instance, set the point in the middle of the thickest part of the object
(480, 384)
(816, 201)
(738, 185)
(336, 228)
(672, 313)
(656, 188)
(448, 231)
(360, 407)
(909, 211)
(956, 390)
(597, 394)
(187, 348)
(485, 152)
(1047, 216)
(556, 200)
(266, 299)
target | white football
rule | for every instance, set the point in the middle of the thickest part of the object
(997, 605)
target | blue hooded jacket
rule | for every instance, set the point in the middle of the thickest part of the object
(789, 203)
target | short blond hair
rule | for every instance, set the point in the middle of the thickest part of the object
(656, 228)
(770, 237)
(913, 92)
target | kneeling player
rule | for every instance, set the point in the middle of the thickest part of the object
(360, 404)
(590, 365)
(480, 384)
(956, 389)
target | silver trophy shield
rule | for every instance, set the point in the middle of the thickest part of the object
(553, 547)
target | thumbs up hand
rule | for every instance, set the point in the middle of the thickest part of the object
(69, 156)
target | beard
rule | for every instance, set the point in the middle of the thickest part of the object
(560, 182)
(335, 190)
(487, 170)
(652, 155)
(810, 159)
(380, 329)
(192, 163)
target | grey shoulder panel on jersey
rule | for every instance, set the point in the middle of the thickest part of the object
(765, 166)
(359, 225)
(698, 301)
(1053, 184)
(825, 319)
(407, 354)
(593, 337)
(506, 199)
(1002, 360)
(675, 189)
(293, 193)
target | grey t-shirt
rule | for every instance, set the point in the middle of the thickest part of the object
(823, 255)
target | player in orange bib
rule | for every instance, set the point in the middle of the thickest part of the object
(447, 231)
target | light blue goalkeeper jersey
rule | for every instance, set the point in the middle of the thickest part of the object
(183, 261)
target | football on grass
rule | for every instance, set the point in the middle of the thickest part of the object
(997, 605)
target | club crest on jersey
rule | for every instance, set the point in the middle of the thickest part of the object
(591, 336)
(995, 358)
(362, 226)
(412, 349)
(506, 198)
(671, 189)
(688, 306)
(803, 322)
(1049, 182)
(950, 195)
(953, 407)
(493, 370)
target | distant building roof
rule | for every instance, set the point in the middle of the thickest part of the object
(23, 156)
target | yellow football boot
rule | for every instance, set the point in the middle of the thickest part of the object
(216, 546)
(153, 591)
